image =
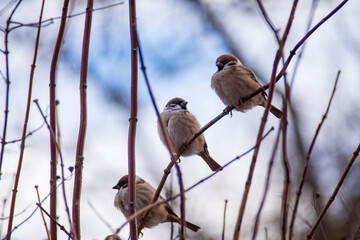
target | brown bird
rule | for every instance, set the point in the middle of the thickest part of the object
(144, 194)
(233, 81)
(181, 125)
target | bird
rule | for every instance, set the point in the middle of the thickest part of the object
(181, 125)
(233, 81)
(144, 194)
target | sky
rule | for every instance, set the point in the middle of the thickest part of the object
(180, 46)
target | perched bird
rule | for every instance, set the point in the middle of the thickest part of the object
(233, 81)
(181, 125)
(144, 194)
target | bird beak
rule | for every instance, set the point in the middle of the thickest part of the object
(183, 104)
(116, 187)
(219, 65)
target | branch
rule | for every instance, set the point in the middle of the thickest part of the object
(307, 161)
(333, 195)
(152, 205)
(53, 139)
(224, 218)
(50, 21)
(267, 183)
(286, 165)
(133, 117)
(54, 220)
(33, 212)
(27, 113)
(42, 214)
(83, 120)
(170, 147)
(52, 100)
(7, 80)
(302, 41)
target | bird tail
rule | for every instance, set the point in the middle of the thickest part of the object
(277, 112)
(191, 226)
(209, 160)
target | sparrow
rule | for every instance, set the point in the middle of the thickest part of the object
(181, 125)
(144, 194)
(233, 81)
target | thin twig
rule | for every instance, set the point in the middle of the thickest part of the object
(83, 120)
(7, 80)
(182, 203)
(298, 60)
(27, 135)
(58, 149)
(278, 56)
(133, 118)
(52, 100)
(286, 165)
(267, 183)
(268, 20)
(168, 143)
(54, 220)
(152, 205)
(302, 41)
(42, 214)
(333, 195)
(224, 221)
(49, 21)
(33, 212)
(102, 219)
(307, 161)
(23, 136)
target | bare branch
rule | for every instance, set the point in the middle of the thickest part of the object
(42, 214)
(50, 21)
(53, 139)
(224, 220)
(133, 117)
(27, 113)
(307, 161)
(7, 80)
(54, 220)
(152, 205)
(52, 99)
(333, 195)
(267, 183)
(83, 120)
(102, 219)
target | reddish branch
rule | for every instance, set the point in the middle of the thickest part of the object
(133, 116)
(307, 161)
(171, 150)
(83, 120)
(267, 183)
(27, 113)
(152, 205)
(278, 57)
(54, 220)
(53, 137)
(333, 195)
(7, 81)
(286, 166)
(52, 99)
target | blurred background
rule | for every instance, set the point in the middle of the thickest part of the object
(180, 42)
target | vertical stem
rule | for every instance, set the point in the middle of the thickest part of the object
(133, 116)
(6, 112)
(27, 113)
(83, 120)
(333, 195)
(52, 96)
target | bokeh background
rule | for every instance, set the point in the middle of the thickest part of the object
(181, 41)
